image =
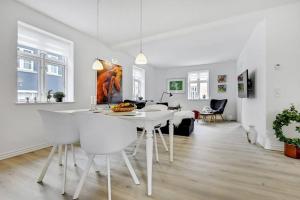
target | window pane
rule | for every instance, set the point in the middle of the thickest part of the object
(203, 91)
(55, 78)
(203, 76)
(27, 79)
(27, 50)
(54, 70)
(27, 64)
(137, 89)
(193, 91)
(193, 77)
(53, 56)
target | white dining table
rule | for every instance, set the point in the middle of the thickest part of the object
(147, 120)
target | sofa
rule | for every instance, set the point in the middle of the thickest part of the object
(185, 128)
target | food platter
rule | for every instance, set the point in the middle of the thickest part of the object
(123, 107)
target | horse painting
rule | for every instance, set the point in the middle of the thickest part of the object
(109, 83)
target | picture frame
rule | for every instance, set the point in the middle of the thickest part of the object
(222, 78)
(176, 85)
(222, 88)
(109, 83)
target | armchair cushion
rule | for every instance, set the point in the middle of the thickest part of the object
(218, 105)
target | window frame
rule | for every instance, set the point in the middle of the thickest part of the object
(54, 50)
(198, 82)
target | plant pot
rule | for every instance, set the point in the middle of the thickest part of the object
(291, 151)
(58, 99)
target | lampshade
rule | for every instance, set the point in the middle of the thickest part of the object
(97, 65)
(141, 59)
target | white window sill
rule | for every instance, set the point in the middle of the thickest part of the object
(41, 103)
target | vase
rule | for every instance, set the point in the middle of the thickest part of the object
(291, 151)
(252, 134)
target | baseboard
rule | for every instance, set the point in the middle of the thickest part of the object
(23, 151)
(276, 147)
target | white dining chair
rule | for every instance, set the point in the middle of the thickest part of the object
(103, 135)
(61, 130)
(153, 108)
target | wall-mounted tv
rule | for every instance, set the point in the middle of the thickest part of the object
(243, 86)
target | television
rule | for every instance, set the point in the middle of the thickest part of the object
(243, 85)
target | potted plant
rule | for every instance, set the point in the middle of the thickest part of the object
(291, 145)
(59, 96)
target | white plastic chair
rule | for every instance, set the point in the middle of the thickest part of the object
(153, 108)
(60, 131)
(104, 135)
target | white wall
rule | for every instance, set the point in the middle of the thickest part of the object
(283, 47)
(276, 88)
(252, 111)
(228, 68)
(20, 127)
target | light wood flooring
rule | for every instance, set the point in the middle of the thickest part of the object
(215, 163)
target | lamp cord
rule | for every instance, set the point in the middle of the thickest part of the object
(98, 2)
(141, 26)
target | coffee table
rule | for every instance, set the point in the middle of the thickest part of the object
(212, 116)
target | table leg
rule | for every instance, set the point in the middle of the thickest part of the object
(60, 149)
(171, 138)
(149, 151)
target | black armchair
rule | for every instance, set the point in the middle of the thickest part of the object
(218, 106)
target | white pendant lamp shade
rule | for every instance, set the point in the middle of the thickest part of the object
(97, 65)
(141, 59)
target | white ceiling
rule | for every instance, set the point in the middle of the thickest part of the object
(177, 32)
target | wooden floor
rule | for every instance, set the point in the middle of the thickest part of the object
(215, 163)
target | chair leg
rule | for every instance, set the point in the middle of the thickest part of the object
(65, 169)
(222, 117)
(60, 149)
(130, 168)
(139, 142)
(95, 167)
(73, 153)
(108, 177)
(83, 177)
(45, 168)
(155, 146)
(163, 139)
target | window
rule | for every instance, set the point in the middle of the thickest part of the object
(198, 85)
(26, 65)
(138, 83)
(45, 62)
(54, 70)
